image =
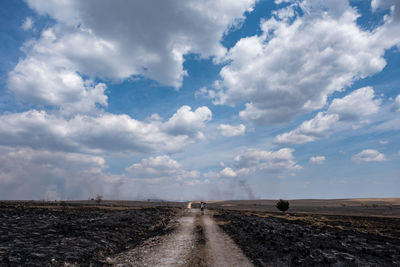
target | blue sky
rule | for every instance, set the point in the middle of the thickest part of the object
(199, 100)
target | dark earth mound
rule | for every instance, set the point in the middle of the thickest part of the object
(276, 241)
(44, 236)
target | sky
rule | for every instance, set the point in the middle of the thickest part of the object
(189, 100)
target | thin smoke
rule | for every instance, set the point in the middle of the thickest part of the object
(246, 187)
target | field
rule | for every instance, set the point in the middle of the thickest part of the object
(381, 207)
(356, 232)
(346, 232)
(48, 233)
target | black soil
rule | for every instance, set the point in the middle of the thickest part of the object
(80, 235)
(272, 241)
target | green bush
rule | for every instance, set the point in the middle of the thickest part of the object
(282, 205)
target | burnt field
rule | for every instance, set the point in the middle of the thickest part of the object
(86, 233)
(273, 239)
(377, 207)
(44, 234)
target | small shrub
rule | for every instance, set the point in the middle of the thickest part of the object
(343, 204)
(282, 205)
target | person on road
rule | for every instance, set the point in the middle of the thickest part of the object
(202, 206)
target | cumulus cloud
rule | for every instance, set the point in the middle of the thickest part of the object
(358, 104)
(285, 71)
(348, 110)
(150, 38)
(266, 161)
(27, 24)
(309, 131)
(369, 155)
(102, 133)
(155, 167)
(231, 130)
(159, 167)
(187, 122)
(385, 4)
(228, 172)
(256, 161)
(160, 177)
(317, 160)
(39, 82)
(26, 173)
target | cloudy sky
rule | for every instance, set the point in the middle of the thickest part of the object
(213, 99)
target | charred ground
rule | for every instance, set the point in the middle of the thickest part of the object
(312, 233)
(43, 234)
(305, 239)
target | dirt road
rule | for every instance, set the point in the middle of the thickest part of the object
(196, 241)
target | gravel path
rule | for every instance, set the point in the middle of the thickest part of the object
(224, 252)
(196, 241)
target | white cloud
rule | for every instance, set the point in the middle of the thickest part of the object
(27, 24)
(359, 103)
(317, 160)
(251, 161)
(393, 5)
(397, 103)
(187, 122)
(194, 182)
(369, 155)
(266, 161)
(121, 39)
(26, 173)
(212, 175)
(383, 142)
(294, 65)
(388, 34)
(309, 131)
(228, 172)
(231, 130)
(348, 111)
(160, 169)
(102, 133)
(154, 167)
(39, 82)
(281, 1)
